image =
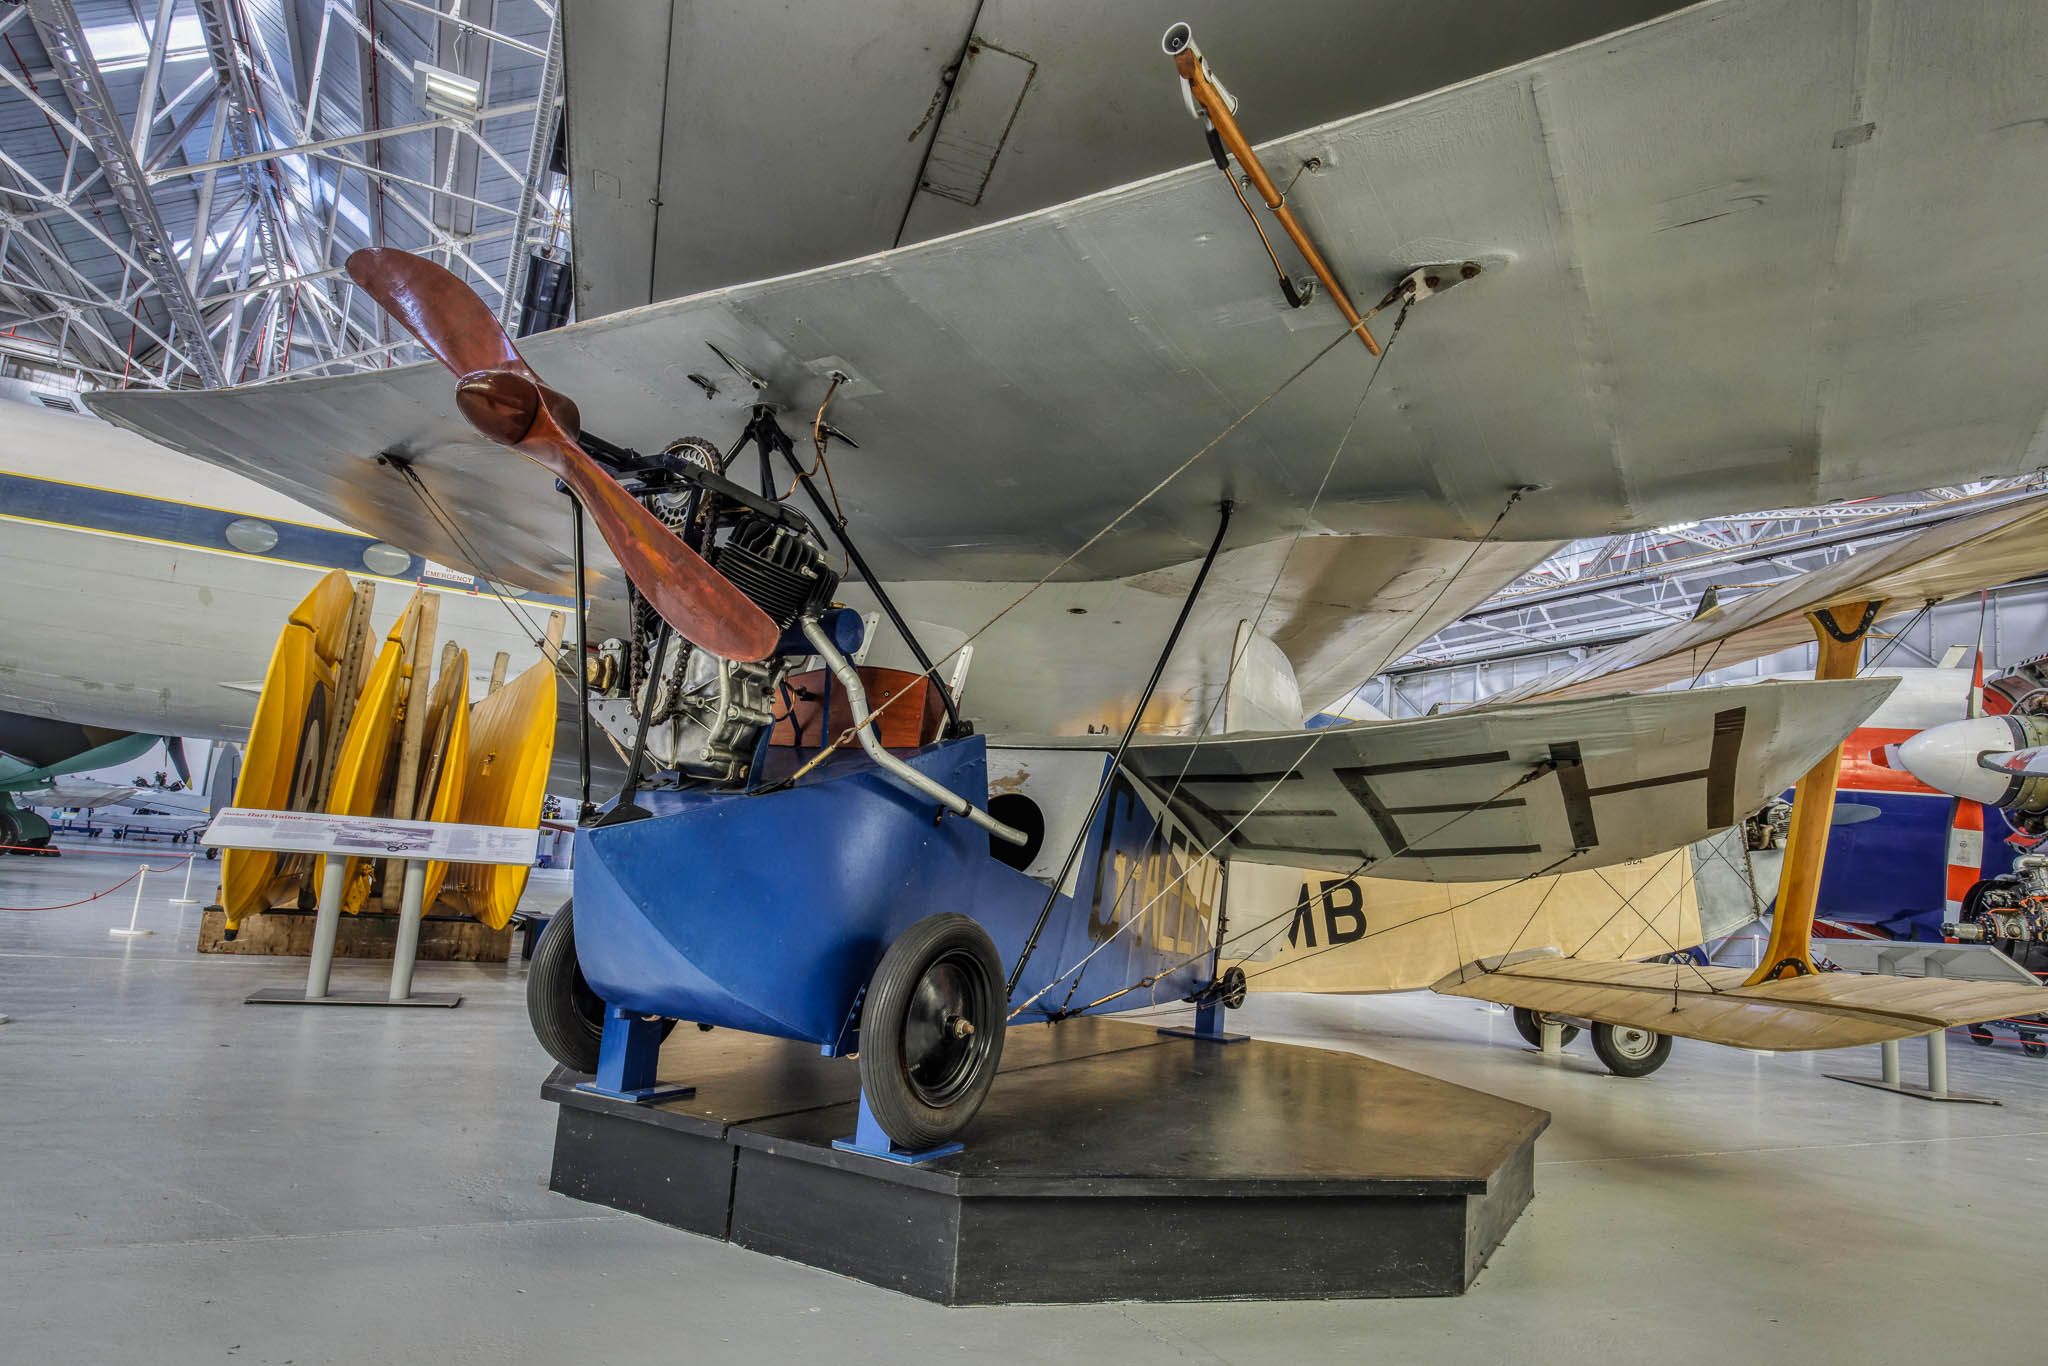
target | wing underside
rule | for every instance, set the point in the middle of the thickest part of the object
(1824, 1010)
(1507, 793)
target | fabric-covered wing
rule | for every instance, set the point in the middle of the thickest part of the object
(1825, 1010)
(1962, 556)
(1674, 321)
(1484, 795)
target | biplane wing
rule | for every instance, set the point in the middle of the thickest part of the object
(1660, 217)
(1992, 547)
(1492, 794)
(1820, 1010)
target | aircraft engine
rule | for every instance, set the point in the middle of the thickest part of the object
(2001, 761)
(704, 715)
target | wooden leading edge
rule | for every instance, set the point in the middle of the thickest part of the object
(1716, 1005)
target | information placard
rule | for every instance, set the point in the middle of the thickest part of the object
(313, 832)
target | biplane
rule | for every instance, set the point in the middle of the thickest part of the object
(959, 660)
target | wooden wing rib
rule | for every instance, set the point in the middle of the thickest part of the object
(1829, 1010)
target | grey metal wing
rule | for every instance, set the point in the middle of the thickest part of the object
(1713, 283)
(1491, 794)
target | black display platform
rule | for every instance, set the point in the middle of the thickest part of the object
(1110, 1163)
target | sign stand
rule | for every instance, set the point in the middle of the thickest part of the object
(338, 838)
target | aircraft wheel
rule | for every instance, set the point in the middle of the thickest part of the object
(1630, 1052)
(1981, 1035)
(567, 1016)
(931, 1030)
(1529, 1024)
(2031, 1045)
(1231, 989)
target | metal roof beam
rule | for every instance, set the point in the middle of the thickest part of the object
(63, 38)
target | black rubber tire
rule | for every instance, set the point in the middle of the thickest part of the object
(566, 1015)
(1530, 1026)
(1981, 1035)
(908, 1109)
(2031, 1045)
(1611, 1043)
(1232, 989)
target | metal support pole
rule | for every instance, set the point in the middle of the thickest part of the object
(1888, 1055)
(135, 911)
(326, 925)
(1937, 1063)
(583, 808)
(1553, 1038)
(410, 910)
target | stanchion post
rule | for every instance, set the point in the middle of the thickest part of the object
(184, 898)
(409, 912)
(135, 911)
(326, 926)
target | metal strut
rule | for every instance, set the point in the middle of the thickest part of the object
(768, 435)
(1116, 757)
(584, 808)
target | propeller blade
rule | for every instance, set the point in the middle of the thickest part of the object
(702, 604)
(502, 397)
(174, 750)
(437, 308)
(1965, 854)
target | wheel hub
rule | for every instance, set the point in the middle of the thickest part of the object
(941, 1046)
(1634, 1043)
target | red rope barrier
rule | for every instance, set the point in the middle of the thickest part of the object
(84, 900)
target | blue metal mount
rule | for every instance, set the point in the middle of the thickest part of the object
(627, 1056)
(869, 1141)
(1208, 1026)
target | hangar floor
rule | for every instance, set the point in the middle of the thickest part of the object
(183, 1179)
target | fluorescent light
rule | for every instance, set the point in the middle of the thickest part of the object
(446, 93)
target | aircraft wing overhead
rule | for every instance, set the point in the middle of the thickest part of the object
(1823, 1010)
(1736, 257)
(1483, 795)
(1961, 556)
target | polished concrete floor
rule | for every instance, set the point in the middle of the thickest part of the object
(186, 1179)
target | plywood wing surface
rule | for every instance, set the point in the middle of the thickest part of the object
(1981, 551)
(1661, 216)
(1824, 1010)
(1495, 794)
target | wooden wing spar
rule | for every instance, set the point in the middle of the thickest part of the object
(1715, 1005)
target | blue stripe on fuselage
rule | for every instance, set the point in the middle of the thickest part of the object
(136, 516)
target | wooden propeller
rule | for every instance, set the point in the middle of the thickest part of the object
(501, 396)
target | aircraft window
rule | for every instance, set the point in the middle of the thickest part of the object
(387, 560)
(252, 535)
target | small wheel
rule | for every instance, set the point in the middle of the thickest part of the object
(1630, 1052)
(1529, 1024)
(931, 1030)
(2031, 1045)
(567, 1016)
(1981, 1035)
(1231, 989)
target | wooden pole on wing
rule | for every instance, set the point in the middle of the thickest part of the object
(1790, 952)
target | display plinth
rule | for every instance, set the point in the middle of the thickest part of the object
(1108, 1164)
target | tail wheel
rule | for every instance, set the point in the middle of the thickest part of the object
(931, 1030)
(1630, 1052)
(567, 1016)
(1529, 1024)
(1231, 989)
